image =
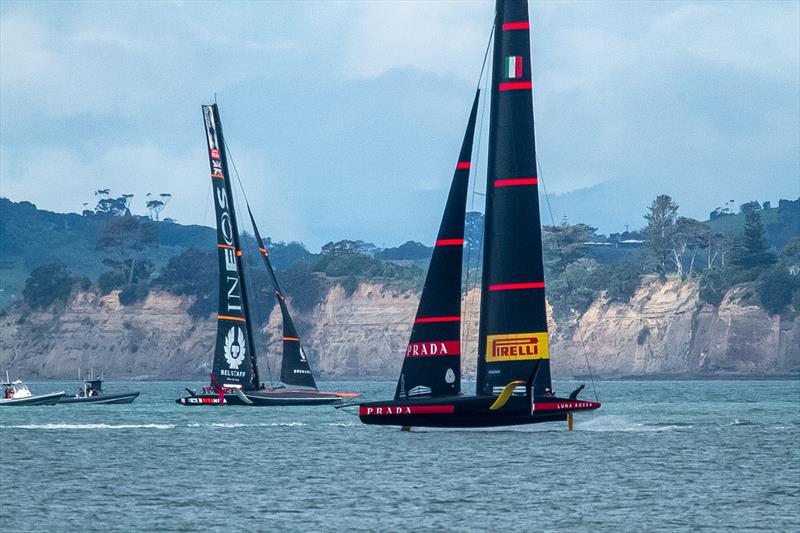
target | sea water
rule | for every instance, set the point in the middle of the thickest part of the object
(658, 456)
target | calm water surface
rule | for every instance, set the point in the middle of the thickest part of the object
(659, 455)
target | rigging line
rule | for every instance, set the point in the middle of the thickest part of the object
(257, 307)
(569, 287)
(540, 176)
(467, 327)
(485, 55)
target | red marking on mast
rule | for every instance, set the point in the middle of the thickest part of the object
(525, 25)
(291, 339)
(218, 176)
(516, 181)
(514, 286)
(449, 242)
(515, 86)
(228, 246)
(462, 165)
(438, 319)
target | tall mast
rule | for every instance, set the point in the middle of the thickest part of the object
(234, 355)
(513, 341)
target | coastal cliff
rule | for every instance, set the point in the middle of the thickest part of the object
(663, 331)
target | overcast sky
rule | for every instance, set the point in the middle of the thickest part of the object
(345, 119)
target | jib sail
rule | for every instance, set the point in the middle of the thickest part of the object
(432, 365)
(234, 353)
(513, 340)
(295, 369)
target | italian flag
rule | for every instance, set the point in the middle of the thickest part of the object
(513, 67)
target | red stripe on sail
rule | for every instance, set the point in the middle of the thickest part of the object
(449, 242)
(516, 181)
(438, 319)
(462, 165)
(517, 25)
(515, 286)
(515, 86)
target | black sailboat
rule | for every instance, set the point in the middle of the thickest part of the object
(235, 377)
(513, 375)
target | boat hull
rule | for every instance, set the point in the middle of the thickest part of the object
(105, 399)
(267, 398)
(39, 399)
(292, 397)
(470, 411)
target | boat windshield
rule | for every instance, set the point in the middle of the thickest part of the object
(19, 386)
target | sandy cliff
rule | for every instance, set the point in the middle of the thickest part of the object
(664, 330)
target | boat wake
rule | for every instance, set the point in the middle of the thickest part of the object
(90, 426)
(615, 423)
(243, 425)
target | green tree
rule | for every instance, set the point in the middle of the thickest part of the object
(192, 273)
(47, 284)
(790, 255)
(753, 252)
(575, 289)
(658, 233)
(620, 280)
(775, 289)
(564, 244)
(749, 207)
(124, 240)
(688, 237)
(713, 286)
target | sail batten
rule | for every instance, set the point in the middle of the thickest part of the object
(234, 354)
(513, 339)
(432, 364)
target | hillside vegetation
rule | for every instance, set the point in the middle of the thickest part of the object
(107, 251)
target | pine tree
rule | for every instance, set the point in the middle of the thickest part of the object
(753, 253)
(659, 232)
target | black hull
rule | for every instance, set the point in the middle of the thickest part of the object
(292, 397)
(469, 411)
(265, 398)
(104, 399)
(40, 399)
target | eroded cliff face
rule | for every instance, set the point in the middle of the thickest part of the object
(666, 331)
(663, 331)
(152, 339)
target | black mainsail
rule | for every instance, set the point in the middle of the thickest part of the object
(512, 339)
(513, 375)
(432, 365)
(295, 369)
(234, 378)
(234, 352)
